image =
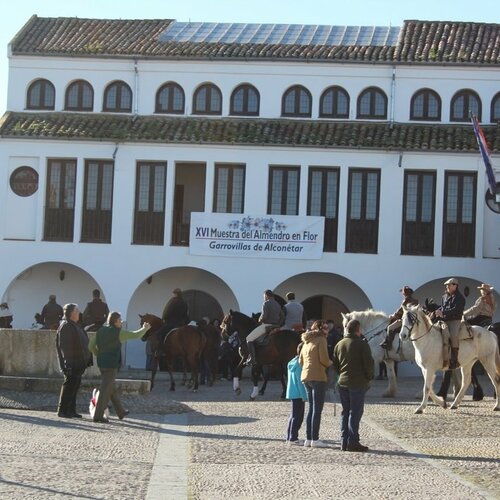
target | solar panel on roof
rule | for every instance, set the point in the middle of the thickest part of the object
(287, 34)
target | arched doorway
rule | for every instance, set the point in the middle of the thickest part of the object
(201, 304)
(324, 307)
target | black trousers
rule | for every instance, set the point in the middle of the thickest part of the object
(68, 394)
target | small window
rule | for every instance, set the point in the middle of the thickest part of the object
(229, 188)
(495, 109)
(463, 103)
(79, 97)
(170, 99)
(334, 103)
(425, 105)
(297, 101)
(207, 100)
(245, 101)
(118, 98)
(284, 188)
(372, 104)
(41, 95)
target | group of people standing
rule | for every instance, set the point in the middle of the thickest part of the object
(75, 350)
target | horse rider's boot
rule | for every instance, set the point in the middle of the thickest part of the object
(454, 358)
(252, 358)
(387, 343)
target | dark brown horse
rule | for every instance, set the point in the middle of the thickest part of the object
(186, 342)
(277, 349)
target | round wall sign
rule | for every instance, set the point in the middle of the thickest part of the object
(24, 181)
(491, 200)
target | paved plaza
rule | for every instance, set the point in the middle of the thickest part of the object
(216, 445)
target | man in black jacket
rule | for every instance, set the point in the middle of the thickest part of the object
(451, 311)
(72, 344)
(52, 314)
(96, 312)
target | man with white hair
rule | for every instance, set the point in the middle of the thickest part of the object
(451, 311)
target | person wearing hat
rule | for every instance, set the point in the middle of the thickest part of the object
(5, 316)
(96, 312)
(481, 313)
(294, 314)
(451, 311)
(51, 314)
(175, 314)
(395, 319)
(271, 316)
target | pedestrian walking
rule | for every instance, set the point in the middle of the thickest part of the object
(297, 394)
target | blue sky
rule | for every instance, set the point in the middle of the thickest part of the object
(332, 12)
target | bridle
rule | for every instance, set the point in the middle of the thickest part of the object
(375, 329)
(413, 320)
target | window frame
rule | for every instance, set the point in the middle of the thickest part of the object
(43, 90)
(296, 113)
(232, 167)
(286, 169)
(372, 91)
(81, 86)
(426, 92)
(246, 88)
(336, 89)
(331, 223)
(466, 93)
(210, 87)
(495, 100)
(121, 87)
(170, 109)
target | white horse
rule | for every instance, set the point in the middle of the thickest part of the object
(428, 342)
(374, 326)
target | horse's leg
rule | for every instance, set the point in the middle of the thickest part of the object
(265, 374)
(255, 379)
(195, 364)
(283, 382)
(466, 370)
(477, 394)
(154, 368)
(494, 374)
(390, 392)
(445, 384)
(427, 391)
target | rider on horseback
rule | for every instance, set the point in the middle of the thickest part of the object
(395, 319)
(481, 313)
(175, 315)
(451, 311)
(271, 316)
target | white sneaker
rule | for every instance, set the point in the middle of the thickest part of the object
(307, 443)
(318, 444)
(297, 442)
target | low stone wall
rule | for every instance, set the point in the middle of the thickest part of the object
(32, 353)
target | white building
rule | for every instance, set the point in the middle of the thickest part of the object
(118, 130)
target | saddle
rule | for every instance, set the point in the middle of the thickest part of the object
(465, 333)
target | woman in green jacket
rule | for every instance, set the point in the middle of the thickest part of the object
(107, 346)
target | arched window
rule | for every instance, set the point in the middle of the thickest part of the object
(170, 99)
(372, 104)
(463, 103)
(495, 109)
(245, 101)
(425, 105)
(334, 103)
(296, 101)
(79, 97)
(207, 100)
(41, 95)
(118, 98)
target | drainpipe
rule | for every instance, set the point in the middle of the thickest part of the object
(393, 95)
(136, 89)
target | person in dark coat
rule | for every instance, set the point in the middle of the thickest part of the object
(5, 316)
(52, 314)
(175, 314)
(72, 344)
(96, 311)
(353, 362)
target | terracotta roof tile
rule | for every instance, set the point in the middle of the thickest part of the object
(258, 131)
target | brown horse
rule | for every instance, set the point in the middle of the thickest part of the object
(186, 342)
(278, 349)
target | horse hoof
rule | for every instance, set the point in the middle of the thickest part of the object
(194, 390)
(252, 399)
(497, 408)
(261, 393)
(418, 411)
(238, 391)
(387, 395)
(453, 407)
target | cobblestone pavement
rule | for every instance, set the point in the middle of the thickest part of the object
(223, 446)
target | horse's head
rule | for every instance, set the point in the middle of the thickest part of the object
(430, 306)
(345, 319)
(412, 315)
(236, 321)
(155, 323)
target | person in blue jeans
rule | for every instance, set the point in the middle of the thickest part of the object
(314, 361)
(296, 393)
(353, 362)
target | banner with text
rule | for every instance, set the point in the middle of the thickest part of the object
(273, 236)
